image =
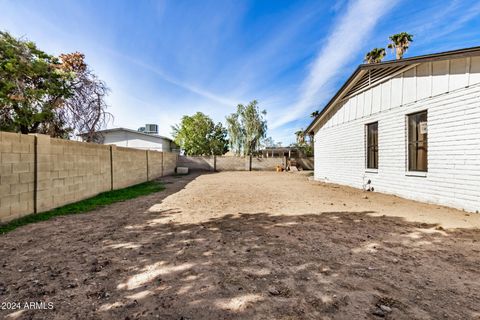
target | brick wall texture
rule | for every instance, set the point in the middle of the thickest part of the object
(68, 171)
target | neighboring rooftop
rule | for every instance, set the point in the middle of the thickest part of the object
(132, 131)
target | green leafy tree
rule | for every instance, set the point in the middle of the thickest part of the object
(235, 132)
(400, 43)
(218, 140)
(376, 55)
(40, 93)
(32, 86)
(306, 148)
(246, 128)
(198, 135)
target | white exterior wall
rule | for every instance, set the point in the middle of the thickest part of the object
(133, 140)
(450, 91)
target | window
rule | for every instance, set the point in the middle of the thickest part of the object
(372, 145)
(417, 141)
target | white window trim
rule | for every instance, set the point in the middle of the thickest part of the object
(416, 174)
(367, 170)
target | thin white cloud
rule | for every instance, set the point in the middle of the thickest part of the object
(187, 86)
(68, 41)
(348, 36)
(462, 16)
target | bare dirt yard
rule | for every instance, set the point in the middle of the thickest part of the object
(248, 245)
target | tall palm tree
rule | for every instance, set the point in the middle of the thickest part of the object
(314, 113)
(400, 43)
(300, 136)
(375, 56)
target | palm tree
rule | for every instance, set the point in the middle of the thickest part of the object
(400, 43)
(300, 136)
(375, 56)
(314, 113)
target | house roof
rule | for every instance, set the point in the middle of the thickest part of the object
(393, 66)
(132, 131)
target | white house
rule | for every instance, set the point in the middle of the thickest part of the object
(136, 139)
(409, 127)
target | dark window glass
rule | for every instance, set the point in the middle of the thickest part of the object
(372, 145)
(417, 141)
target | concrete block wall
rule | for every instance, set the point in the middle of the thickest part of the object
(38, 173)
(16, 175)
(69, 171)
(196, 163)
(169, 163)
(129, 166)
(306, 163)
(267, 164)
(222, 163)
(232, 163)
(155, 164)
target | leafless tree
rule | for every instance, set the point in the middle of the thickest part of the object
(84, 111)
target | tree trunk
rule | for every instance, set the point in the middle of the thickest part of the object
(24, 129)
(399, 52)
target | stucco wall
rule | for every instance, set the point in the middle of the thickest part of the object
(453, 105)
(68, 171)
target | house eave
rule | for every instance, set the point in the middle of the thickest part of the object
(459, 53)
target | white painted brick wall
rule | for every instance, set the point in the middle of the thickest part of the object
(453, 177)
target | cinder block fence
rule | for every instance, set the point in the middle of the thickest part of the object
(38, 173)
(226, 163)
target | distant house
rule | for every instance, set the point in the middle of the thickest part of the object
(140, 139)
(408, 127)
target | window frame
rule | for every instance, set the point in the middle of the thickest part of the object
(415, 172)
(368, 146)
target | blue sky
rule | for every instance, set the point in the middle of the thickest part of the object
(165, 59)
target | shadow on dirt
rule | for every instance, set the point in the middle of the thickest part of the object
(334, 265)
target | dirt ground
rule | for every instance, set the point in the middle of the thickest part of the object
(247, 245)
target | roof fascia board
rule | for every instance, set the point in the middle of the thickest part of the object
(453, 54)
